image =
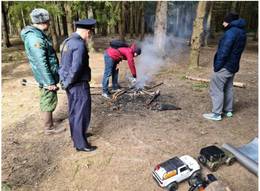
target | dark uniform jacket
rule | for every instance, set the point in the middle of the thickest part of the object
(231, 46)
(74, 66)
(41, 55)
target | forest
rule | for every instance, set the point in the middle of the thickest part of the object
(127, 18)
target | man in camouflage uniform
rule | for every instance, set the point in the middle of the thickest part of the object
(44, 63)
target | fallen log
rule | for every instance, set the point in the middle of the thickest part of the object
(235, 84)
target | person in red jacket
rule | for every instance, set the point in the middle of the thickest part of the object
(112, 57)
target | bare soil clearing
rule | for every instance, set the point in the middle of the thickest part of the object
(131, 139)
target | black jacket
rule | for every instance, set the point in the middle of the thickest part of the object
(230, 47)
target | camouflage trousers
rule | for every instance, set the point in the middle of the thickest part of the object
(48, 100)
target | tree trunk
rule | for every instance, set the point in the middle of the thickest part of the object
(22, 14)
(126, 16)
(90, 14)
(104, 29)
(256, 35)
(160, 25)
(84, 14)
(131, 27)
(196, 34)
(69, 18)
(62, 32)
(122, 21)
(177, 22)
(207, 22)
(234, 6)
(64, 20)
(86, 11)
(58, 26)
(5, 27)
(54, 35)
(136, 16)
(10, 27)
(213, 23)
(142, 21)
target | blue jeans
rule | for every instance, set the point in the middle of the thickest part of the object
(110, 69)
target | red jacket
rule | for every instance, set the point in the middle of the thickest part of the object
(124, 53)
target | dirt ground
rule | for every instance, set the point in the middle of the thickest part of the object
(131, 139)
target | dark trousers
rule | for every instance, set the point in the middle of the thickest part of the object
(110, 69)
(79, 100)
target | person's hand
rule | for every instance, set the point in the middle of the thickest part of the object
(52, 88)
(117, 67)
(132, 80)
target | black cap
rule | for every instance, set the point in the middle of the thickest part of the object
(86, 23)
(231, 17)
(138, 50)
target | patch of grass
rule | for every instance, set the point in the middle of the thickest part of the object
(101, 50)
(199, 86)
(6, 187)
(183, 77)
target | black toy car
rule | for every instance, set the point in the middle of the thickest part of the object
(213, 157)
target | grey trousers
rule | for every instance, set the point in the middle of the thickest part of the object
(221, 91)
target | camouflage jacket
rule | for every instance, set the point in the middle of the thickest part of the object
(41, 55)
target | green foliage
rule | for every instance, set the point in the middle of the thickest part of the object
(14, 13)
(106, 12)
(199, 86)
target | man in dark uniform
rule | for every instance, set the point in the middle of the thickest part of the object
(75, 75)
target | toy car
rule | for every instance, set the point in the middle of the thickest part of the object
(169, 173)
(198, 183)
(213, 157)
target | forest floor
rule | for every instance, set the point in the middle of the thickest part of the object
(131, 138)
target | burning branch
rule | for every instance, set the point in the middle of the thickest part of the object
(156, 94)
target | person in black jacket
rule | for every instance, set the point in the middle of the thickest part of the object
(75, 75)
(226, 64)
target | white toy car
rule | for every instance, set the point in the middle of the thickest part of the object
(171, 172)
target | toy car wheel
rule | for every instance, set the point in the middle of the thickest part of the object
(230, 161)
(202, 159)
(194, 177)
(214, 167)
(173, 186)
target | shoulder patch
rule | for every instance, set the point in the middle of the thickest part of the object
(37, 45)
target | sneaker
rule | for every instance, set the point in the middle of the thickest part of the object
(229, 114)
(212, 116)
(105, 95)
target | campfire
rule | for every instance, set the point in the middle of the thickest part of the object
(137, 97)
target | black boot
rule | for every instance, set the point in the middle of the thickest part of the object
(88, 148)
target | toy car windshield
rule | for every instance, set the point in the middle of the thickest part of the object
(212, 153)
